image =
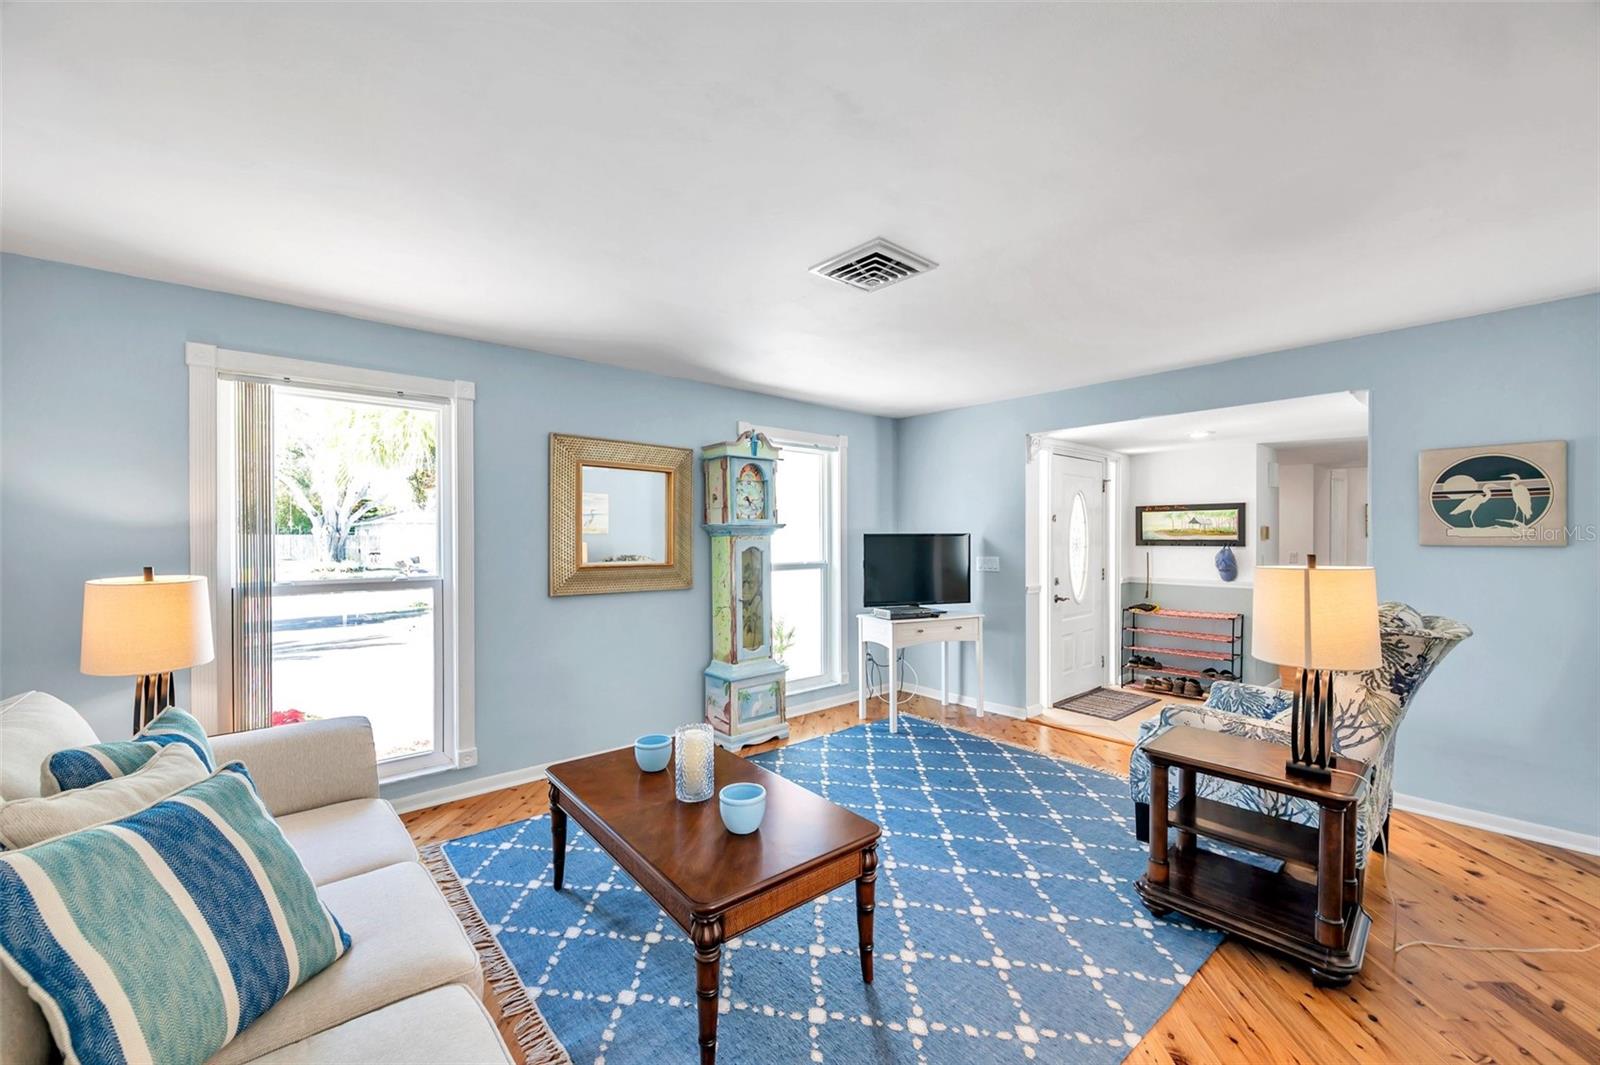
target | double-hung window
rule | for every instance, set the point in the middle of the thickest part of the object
(339, 548)
(808, 564)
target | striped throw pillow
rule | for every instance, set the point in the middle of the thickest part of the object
(161, 936)
(78, 767)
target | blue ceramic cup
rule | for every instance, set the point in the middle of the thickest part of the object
(743, 806)
(652, 752)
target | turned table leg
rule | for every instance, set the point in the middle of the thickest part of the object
(866, 892)
(707, 937)
(1352, 881)
(558, 837)
(1187, 841)
(1330, 877)
(1157, 871)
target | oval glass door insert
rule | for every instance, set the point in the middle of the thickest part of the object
(1078, 547)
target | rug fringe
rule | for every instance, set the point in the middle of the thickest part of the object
(538, 1044)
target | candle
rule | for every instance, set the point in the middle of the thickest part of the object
(694, 769)
(695, 753)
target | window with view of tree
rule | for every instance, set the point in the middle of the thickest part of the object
(808, 624)
(338, 532)
(356, 578)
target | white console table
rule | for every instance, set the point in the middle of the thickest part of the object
(893, 636)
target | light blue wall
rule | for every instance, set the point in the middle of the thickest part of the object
(1510, 724)
(94, 481)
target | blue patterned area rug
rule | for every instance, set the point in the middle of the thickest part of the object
(1007, 926)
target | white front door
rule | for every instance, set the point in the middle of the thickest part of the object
(1076, 584)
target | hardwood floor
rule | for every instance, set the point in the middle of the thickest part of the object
(1453, 884)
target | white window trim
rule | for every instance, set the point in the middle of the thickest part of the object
(837, 637)
(208, 362)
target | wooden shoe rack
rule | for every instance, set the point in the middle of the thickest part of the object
(1200, 647)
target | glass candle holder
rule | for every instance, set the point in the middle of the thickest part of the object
(695, 746)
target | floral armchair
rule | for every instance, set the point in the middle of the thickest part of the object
(1368, 708)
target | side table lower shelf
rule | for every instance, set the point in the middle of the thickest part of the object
(1272, 909)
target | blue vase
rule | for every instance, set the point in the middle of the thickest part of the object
(1227, 565)
(653, 752)
(743, 805)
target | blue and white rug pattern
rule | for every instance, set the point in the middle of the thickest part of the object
(1007, 926)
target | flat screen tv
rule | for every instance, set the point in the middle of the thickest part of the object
(904, 569)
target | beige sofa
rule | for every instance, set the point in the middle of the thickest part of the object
(409, 989)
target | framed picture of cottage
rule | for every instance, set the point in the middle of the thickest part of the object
(1496, 495)
(1193, 524)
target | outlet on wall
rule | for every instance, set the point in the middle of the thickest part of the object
(988, 564)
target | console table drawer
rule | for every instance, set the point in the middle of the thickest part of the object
(935, 630)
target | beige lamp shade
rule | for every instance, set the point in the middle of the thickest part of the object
(133, 626)
(1325, 617)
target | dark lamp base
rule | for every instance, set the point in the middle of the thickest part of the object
(152, 693)
(1308, 771)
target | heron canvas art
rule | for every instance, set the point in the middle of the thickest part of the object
(1502, 495)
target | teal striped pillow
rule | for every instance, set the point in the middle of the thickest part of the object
(161, 936)
(78, 767)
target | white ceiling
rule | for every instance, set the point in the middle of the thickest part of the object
(1109, 189)
(1334, 416)
(1333, 453)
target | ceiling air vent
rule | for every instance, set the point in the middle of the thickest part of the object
(876, 264)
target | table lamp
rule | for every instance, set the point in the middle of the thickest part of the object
(146, 627)
(1315, 620)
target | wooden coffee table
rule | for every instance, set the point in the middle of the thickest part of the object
(714, 884)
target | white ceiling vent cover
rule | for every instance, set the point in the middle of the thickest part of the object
(876, 264)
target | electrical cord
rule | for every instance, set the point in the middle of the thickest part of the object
(877, 684)
(1395, 946)
(874, 669)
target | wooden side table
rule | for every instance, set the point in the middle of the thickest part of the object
(1311, 909)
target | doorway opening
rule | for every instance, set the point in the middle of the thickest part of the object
(1175, 512)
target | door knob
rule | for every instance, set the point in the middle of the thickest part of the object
(1063, 599)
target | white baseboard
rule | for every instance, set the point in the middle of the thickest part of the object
(801, 709)
(970, 702)
(1505, 826)
(468, 789)
(811, 706)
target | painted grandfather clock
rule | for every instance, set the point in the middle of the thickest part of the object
(744, 683)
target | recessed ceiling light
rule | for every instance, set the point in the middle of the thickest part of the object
(1200, 434)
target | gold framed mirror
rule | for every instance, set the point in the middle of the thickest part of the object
(620, 516)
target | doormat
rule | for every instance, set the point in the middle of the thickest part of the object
(1107, 704)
